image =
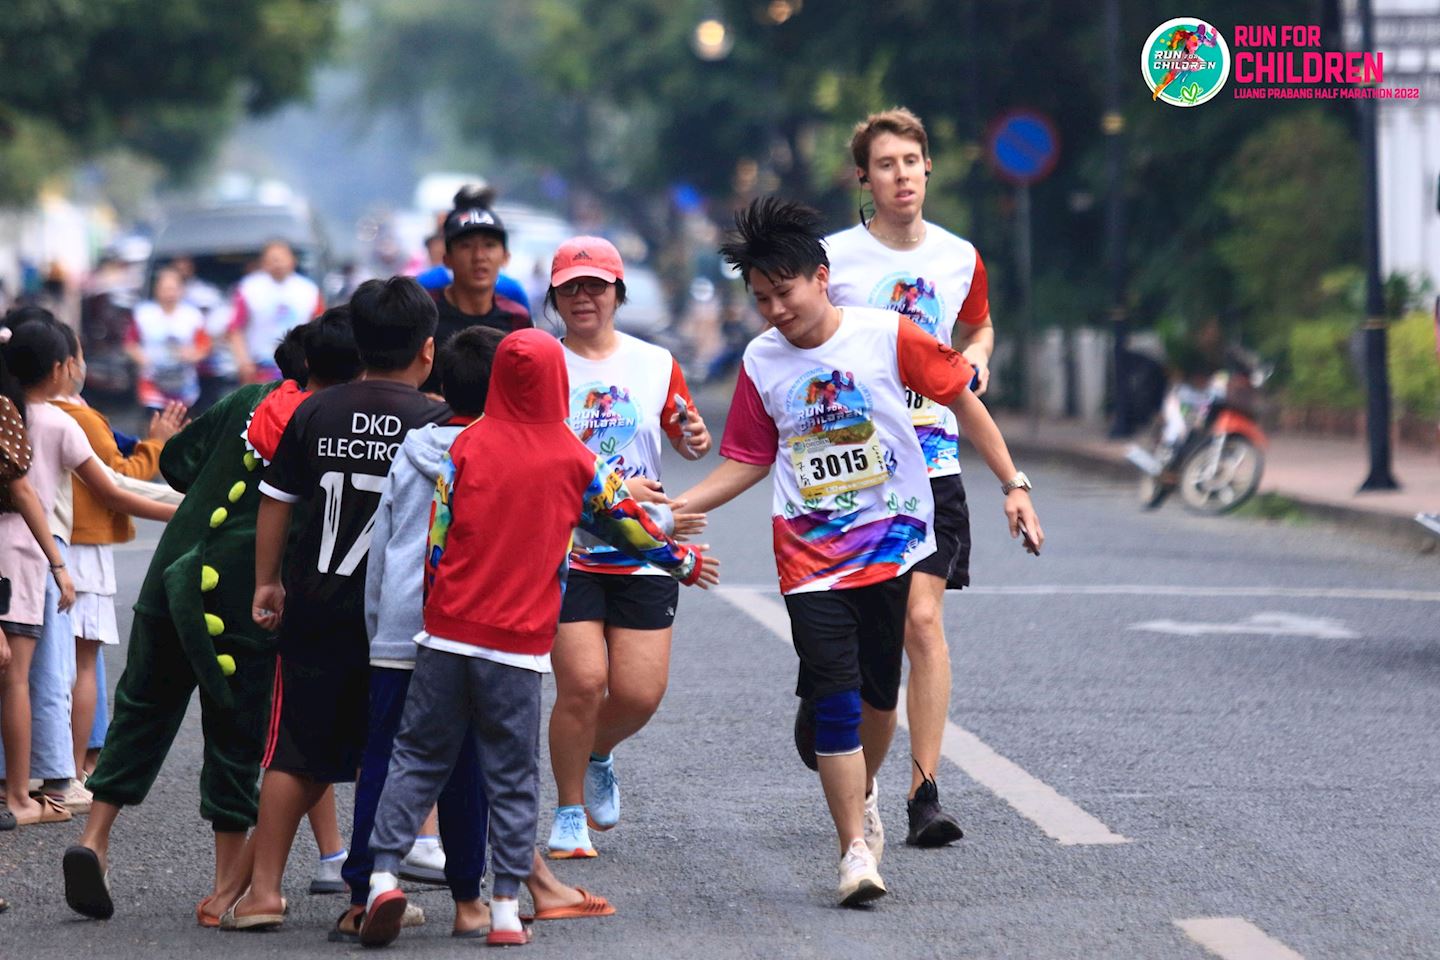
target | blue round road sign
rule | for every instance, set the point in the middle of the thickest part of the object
(1024, 146)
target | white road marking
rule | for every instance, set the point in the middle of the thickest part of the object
(1234, 938)
(1263, 624)
(1161, 590)
(1033, 799)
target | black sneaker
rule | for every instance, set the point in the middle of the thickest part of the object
(930, 826)
(805, 733)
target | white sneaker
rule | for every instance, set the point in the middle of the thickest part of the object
(327, 875)
(425, 861)
(859, 879)
(874, 826)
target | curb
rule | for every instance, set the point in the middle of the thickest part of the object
(1392, 529)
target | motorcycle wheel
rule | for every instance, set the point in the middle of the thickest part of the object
(1219, 478)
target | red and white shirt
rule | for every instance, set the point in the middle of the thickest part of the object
(161, 336)
(938, 284)
(267, 309)
(620, 407)
(852, 505)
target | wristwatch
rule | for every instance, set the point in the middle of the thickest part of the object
(1017, 482)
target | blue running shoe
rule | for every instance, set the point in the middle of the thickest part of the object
(569, 837)
(602, 794)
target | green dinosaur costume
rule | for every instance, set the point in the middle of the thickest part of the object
(193, 617)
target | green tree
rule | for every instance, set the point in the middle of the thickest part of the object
(164, 77)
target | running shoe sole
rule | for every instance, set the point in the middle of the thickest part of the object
(867, 891)
(937, 833)
(328, 886)
(579, 853)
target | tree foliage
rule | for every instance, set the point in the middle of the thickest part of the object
(164, 77)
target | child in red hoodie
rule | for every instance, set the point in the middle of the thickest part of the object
(493, 603)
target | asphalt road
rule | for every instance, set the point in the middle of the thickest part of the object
(1165, 721)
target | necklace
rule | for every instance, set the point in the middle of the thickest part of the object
(888, 239)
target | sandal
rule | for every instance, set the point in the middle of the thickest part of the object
(206, 920)
(590, 906)
(256, 922)
(381, 923)
(338, 933)
(87, 886)
(50, 812)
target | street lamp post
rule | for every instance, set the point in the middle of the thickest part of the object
(1113, 126)
(1377, 374)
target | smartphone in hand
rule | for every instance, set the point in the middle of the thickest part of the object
(683, 409)
(1027, 542)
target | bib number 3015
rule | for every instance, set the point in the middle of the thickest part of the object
(824, 467)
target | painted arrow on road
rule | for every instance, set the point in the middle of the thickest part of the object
(1264, 624)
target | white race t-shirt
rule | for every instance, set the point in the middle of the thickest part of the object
(852, 505)
(266, 310)
(620, 407)
(935, 284)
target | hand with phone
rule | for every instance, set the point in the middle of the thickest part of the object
(695, 440)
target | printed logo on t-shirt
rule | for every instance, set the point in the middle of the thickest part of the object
(604, 417)
(824, 400)
(910, 296)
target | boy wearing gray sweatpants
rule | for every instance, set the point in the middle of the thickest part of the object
(495, 571)
(502, 703)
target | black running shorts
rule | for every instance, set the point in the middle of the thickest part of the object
(951, 559)
(851, 639)
(321, 707)
(629, 601)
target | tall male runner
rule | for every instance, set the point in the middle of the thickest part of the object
(822, 394)
(898, 261)
(476, 248)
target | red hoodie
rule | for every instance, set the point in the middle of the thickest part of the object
(518, 481)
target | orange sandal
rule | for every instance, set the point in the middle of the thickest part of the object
(590, 906)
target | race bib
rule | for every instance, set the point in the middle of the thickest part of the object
(838, 461)
(924, 412)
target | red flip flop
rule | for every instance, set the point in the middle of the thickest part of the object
(590, 906)
(507, 938)
(381, 923)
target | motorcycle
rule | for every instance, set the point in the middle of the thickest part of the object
(1207, 444)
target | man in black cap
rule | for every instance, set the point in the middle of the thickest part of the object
(475, 251)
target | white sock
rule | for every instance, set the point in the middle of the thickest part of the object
(429, 842)
(335, 856)
(505, 915)
(380, 882)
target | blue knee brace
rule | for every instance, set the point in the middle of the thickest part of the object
(837, 723)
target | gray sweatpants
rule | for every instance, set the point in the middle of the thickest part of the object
(503, 704)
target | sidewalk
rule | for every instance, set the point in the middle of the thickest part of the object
(1319, 474)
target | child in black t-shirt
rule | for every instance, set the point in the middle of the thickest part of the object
(337, 447)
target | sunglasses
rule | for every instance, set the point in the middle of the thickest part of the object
(593, 286)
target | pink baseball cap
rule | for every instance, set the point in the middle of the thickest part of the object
(586, 257)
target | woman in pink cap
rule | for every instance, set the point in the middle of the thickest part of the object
(612, 654)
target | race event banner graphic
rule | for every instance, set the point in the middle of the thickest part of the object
(1187, 61)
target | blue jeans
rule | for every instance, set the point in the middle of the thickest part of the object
(52, 686)
(101, 726)
(464, 814)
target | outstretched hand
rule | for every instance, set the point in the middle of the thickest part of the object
(645, 490)
(688, 525)
(165, 423)
(709, 568)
